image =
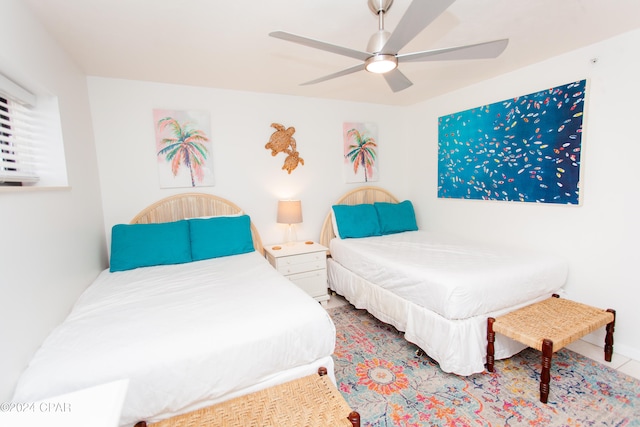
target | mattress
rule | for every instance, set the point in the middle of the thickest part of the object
(184, 335)
(448, 275)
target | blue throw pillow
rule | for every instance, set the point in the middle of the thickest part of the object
(356, 221)
(396, 217)
(220, 236)
(145, 245)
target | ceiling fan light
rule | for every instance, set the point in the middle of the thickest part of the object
(381, 63)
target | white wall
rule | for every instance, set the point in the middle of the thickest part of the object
(52, 240)
(245, 172)
(599, 237)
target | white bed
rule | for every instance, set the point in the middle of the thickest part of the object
(438, 289)
(186, 335)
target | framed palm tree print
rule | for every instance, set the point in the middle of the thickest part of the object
(360, 152)
(183, 148)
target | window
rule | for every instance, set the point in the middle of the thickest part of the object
(31, 148)
(17, 155)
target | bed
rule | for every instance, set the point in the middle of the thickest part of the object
(438, 289)
(188, 333)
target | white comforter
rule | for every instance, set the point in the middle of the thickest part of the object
(448, 275)
(182, 334)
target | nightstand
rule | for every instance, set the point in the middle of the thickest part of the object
(304, 263)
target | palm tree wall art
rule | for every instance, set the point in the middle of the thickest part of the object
(183, 148)
(360, 152)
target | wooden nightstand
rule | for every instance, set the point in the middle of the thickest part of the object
(304, 263)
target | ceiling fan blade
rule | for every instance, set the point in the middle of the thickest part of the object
(473, 51)
(396, 80)
(317, 44)
(419, 14)
(351, 70)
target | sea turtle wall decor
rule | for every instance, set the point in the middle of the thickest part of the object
(282, 141)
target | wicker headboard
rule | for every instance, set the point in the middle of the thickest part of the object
(191, 205)
(354, 197)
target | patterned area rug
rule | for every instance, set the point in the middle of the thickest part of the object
(381, 376)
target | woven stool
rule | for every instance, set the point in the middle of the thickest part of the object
(311, 401)
(548, 326)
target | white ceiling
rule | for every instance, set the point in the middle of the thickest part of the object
(225, 44)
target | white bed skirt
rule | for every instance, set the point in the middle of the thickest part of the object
(459, 346)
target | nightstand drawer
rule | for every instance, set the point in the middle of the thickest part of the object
(287, 269)
(301, 259)
(313, 282)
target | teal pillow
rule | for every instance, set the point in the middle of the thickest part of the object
(145, 245)
(396, 217)
(356, 221)
(220, 236)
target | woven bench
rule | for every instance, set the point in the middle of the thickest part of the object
(311, 401)
(548, 326)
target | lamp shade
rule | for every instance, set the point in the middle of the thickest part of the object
(289, 212)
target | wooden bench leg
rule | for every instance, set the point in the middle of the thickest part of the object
(354, 418)
(491, 338)
(545, 375)
(608, 340)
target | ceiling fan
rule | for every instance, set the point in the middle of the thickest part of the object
(382, 55)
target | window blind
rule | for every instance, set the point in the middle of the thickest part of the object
(18, 149)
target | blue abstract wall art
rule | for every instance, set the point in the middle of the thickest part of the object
(522, 149)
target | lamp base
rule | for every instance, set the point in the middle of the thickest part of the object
(290, 236)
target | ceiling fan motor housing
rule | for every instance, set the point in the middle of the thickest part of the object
(377, 41)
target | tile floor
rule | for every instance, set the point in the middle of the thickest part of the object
(623, 364)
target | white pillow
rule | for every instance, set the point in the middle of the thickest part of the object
(217, 216)
(334, 224)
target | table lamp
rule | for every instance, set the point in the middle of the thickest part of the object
(290, 213)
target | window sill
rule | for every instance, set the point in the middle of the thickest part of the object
(10, 189)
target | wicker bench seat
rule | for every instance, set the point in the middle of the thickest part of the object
(311, 401)
(548, 326)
